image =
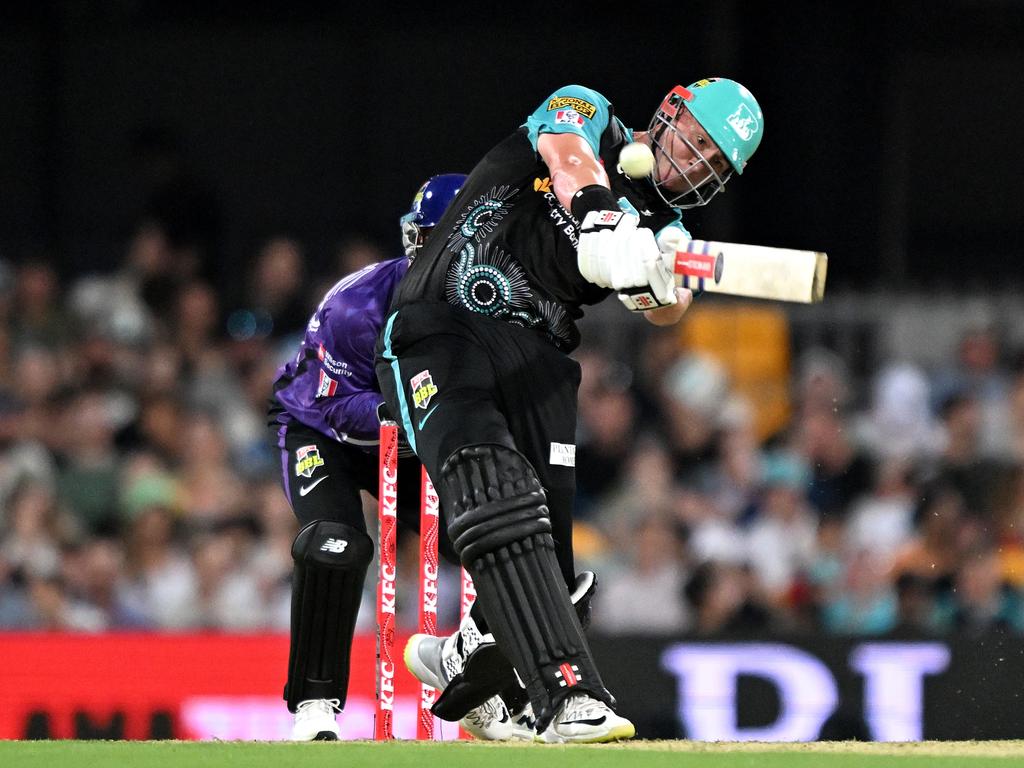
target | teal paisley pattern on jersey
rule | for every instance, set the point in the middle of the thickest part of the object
(485, 278)
(481, 217)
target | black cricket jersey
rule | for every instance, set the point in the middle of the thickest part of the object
(506, 247)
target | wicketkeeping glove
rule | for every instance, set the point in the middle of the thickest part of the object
(615, 253)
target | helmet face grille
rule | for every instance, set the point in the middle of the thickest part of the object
(412, 236)
(683, 186)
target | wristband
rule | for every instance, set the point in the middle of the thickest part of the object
(593, 198)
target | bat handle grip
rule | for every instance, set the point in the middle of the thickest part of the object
(699, 261)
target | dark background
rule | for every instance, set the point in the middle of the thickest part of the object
(893, 130)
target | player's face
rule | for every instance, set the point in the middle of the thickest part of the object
(690, 159)
(689, 167)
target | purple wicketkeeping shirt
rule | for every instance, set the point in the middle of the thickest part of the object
(331, 386)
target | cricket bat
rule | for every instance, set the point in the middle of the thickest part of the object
(755, 271)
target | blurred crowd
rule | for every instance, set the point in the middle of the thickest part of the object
(139, 484)
(896, 510)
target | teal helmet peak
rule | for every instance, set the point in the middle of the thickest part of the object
(731, 116)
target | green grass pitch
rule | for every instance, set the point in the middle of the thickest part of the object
(411, 754)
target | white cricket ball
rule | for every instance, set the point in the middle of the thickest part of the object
(636, 160)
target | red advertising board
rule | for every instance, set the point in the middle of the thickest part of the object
(187, 686)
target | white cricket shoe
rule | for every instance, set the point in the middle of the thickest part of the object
(424, 658)
(434, 661)
(585, 720)
(315, 720)
(524, 725)
(489, 722)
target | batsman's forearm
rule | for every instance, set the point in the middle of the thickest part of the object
(572, 165)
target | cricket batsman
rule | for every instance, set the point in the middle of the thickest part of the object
(474, 362)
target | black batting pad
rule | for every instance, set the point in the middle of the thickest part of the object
(331, 560)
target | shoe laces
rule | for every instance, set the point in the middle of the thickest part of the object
(583, 707)
(310, 706)
(489, 712)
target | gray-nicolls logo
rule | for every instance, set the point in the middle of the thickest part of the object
(335, 546)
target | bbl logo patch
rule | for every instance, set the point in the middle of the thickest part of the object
(585, 108)
(307, 460)
(423, 388)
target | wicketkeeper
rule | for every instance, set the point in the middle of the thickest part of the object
(326, 410)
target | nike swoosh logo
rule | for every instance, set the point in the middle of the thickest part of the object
(429, 414)
(303, 490)
(593, 721)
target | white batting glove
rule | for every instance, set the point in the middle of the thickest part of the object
(669, 240)
(615, 253)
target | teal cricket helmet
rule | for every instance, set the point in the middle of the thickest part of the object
(731, 116)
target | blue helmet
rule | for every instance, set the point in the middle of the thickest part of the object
(428, 206)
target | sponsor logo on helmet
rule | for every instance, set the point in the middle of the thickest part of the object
(542, 185)
(704, 83)
(585, 108)
(307, 460)
(743, 122)
(568, 117)
(423, 389)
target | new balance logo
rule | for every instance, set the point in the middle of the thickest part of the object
(527, 722)
(568, 675)
(335, 546)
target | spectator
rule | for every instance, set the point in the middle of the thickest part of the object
(841, 473)
(607, 420)
(692, 396)
(982, 601)
(934, 552)
(900, 422)
(882, 521)
(979, 373)
(161, 583)
(37, 317)
(212, 492)
(723, 600)
(962, 464)
(656, 569)
(276, 295)
(89, 476)
(782, 537)
(916, 611)
(866, 605)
